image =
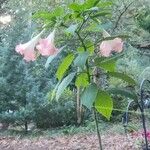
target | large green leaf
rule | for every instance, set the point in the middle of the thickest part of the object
(104, 104)
(43, 15)
(82, 80)
(88, 5)
(108, 64)
(123, 92)
(91, 3)
(90, 46)
(122, 76)
(93, 9)
(81, 59)
(64, 66)
(101, 14)
(91, 6)
(76, 7)
(59, 11)
(89, 95)
(62, 86)
(46, 15)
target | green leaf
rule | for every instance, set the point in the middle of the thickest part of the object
(63, 85)
(94, 27)
(82, 80)
(103, 4)
(90, 10)
(89, 95)
(90, 46)
(46, 15)
(122, 76)
(59, 11)
(54, 90)
(108, 64)
(96, 2)
(50, 58)
(100, 14)
(80, 49)
(104, 104)
(64, 66)
(93, 9)
(76, 7)
(72, 29)
(90, 3)
(43, 15)
(123, 92)
(81, 59)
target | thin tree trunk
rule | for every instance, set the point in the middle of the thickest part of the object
(26, 126)
(97, 130)
(79, 109)
(95, 80)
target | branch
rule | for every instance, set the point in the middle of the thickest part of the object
(144, 45)
(121, 14)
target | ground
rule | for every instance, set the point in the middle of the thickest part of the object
(70, 142)
(73, 138)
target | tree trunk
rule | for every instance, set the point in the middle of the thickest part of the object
(79, 107)
(26, 126)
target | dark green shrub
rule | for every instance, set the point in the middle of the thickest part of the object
(57, 113)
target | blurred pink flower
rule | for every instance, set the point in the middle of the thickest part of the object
(46, 46)
(27, 49)
(117, 45)
(106, 48)
(147, 134)
(109, 46)
(141, 134)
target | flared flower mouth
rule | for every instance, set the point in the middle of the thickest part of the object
(107, 47)
(28, 49)
(46, 46)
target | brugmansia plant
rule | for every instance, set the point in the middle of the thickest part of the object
(90, 50)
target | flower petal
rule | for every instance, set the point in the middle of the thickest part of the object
(46, 46)
(27, 49)
(117, 45)
(106, 48)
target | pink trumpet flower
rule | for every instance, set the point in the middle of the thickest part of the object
(117, 45)
(46, 46)
(27, 49)
(105, 48)
(147, 134)
(109, 46)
